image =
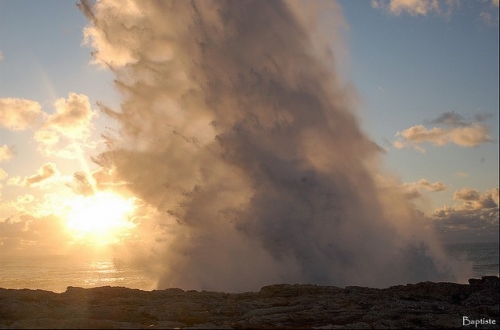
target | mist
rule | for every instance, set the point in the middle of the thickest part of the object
(239, 136)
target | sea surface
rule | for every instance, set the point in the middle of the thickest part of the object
(483, 256)
(56, 273)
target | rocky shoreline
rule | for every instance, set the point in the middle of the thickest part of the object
(418, 306)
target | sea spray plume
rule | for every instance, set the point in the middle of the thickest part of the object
(237, 131)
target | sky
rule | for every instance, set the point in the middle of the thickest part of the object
(422, 78)
(427, 71)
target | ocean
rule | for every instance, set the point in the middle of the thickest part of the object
(483, 256)
(56, 273)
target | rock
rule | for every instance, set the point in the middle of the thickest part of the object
(421, 305)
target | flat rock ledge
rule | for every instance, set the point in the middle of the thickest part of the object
(417, 306)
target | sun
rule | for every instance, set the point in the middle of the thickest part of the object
(102, 217)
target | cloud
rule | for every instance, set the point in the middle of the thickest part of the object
(473, 200)
(414, 7)
(474, 218)
(423, 183)
(456, 131)
(61, 134)
(19, 114)
(38, 225)
(412, 193)
(245, 157)
(411, 7)
(377, 4)
(412, 189)
(462, 174)
(68, 129)
(6, 153)
(3, 174)
(47, 173)
(488, 14)
(489, 19)
(436, 186)
(72, 117)
(451, 119)
(46, 138)
(1, 57)
(25, 233)
(471, 136)
(81, 184)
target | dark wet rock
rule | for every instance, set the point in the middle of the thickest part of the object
(416, 306)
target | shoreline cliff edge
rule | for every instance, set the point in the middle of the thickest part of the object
(285, 306)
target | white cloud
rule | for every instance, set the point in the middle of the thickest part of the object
(18, 205)
(26, 233)
(411, 190)
(72, 117)
(436, 186)
(46, 138)
(456, 131)
(46, 174)
(25, 199)
(376, 4)
(6, 153)
(47, 205)
(67, 130)
(70, 123)
(489, 19)
(489, 12)
(414, 7)
(471, 136)
(474, 217)
(15, 181)
(19, 114)
(473, 200)
(411, 7)
(3, 174)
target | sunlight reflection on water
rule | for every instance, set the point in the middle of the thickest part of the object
(56, 273)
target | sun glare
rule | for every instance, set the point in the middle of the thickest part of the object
(102, 217)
